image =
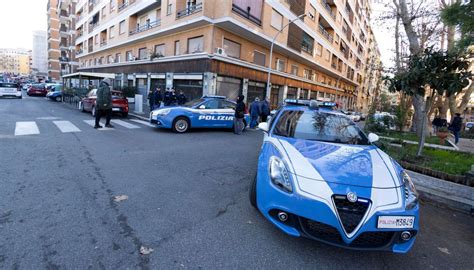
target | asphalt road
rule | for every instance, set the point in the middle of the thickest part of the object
(187, 200)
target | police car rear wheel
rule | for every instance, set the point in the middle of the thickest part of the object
(253, 192)
(180, 125)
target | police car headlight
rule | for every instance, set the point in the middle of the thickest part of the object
(161, 112)
(279, 174)
(411, 195)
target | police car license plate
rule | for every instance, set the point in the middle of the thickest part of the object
(116, 109)
(395, 222)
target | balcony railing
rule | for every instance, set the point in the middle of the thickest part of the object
(325, 33)
(92, 26)
(329, 9)
(125, 5)
(246, 14)
(145, 27)
(103, 43)
(188, 11)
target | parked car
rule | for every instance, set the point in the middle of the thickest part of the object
(205, 112)
(468, 126)
(320, 177)
(10, 89)
(38, 89)
(25, 86)
(55, 93)
(119, 103)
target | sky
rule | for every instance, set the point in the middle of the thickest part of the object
(18, 20)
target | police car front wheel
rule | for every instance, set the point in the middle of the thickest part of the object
(180, 125)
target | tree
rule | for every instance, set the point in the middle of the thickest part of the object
(430, 73)
(461, 16)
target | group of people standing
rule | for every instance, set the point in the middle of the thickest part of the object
(168, 98)
(259, 109)
(455, 126)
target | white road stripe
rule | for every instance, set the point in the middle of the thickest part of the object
(142, 122)
(26, 128)
(124, 124)
(66, 126)
(92, 123)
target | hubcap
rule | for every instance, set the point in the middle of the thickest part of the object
(181, 125)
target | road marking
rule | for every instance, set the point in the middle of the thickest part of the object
(124, 124)
(66, 126)
(26, 128)
(48, 118)
(142, 122)
(92, 123)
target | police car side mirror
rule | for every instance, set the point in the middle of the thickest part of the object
(202, 107)
(373, 137)
(263, 126)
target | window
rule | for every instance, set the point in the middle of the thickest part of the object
(110, 59)
(231, 48)
(129, 56)
(249, 9)
(103, 12)
(122, 27)
(168, 8)
(112, 32)
(277, 20)
(294, 70)
(211, 104)
(176, 47)
(307, 43)
(160, 50)
(196, 45)
(280, 65)
(142, 53)
(312, 13)
(319, 49)
(227, 105)
(327, 56)
(308, 74)
(96, 39)
(258, 58)
(112, 5)
(118, 57)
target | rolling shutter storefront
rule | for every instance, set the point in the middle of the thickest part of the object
(229, 87)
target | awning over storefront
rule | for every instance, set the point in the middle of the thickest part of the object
(89, 75)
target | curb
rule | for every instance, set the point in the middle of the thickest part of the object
(455, 196)
(134, 115)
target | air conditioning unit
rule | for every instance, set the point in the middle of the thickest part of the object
(220, 51)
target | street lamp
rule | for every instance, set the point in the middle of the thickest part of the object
(271, 52)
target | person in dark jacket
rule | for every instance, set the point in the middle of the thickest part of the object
(254, 112)
(103, 104)
(167, 97)
(436, 123)
(151, 100)
(239, 115)
(264, 110)
(456, 126)
(181, 98)
(157, 98)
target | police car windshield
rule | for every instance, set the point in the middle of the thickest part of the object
(319, 126)
(193, 102)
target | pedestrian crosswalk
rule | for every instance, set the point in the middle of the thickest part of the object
(24, 128)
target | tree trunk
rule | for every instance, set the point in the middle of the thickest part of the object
(443, 111)
(397, 43)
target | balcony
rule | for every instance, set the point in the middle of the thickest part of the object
(103, 43)
(80, 51)
(246, 14)
(145, 27)
(188, 11)
(328, 8)
(124, 5)
(325, 33)
(92, 26)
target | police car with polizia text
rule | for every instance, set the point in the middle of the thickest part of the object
(205, 112)
(319, 176)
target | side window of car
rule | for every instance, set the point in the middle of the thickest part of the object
(212, 104)
(224, 104)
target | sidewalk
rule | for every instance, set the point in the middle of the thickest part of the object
(143, 116)
(453, 195)
(466, 145)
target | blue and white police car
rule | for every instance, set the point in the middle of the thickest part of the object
(319, 176)
(205, 112)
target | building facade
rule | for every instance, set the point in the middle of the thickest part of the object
(61, 38)
(222, 47)
(39, 59)
(15, 61)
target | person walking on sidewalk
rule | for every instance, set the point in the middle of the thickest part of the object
(239, 115)
(264, 110)
(254, 112)
(151, 99)
(157, 98)
(103, 103)
(456, 126)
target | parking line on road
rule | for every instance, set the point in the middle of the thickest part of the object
(26, 128)
(124, 124)
(66, 126)
(142, 122)
(92, 123)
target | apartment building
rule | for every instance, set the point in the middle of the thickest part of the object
(222, 47)
(15, 61)
(61, 38)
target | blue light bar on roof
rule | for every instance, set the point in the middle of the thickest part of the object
(212, 96)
